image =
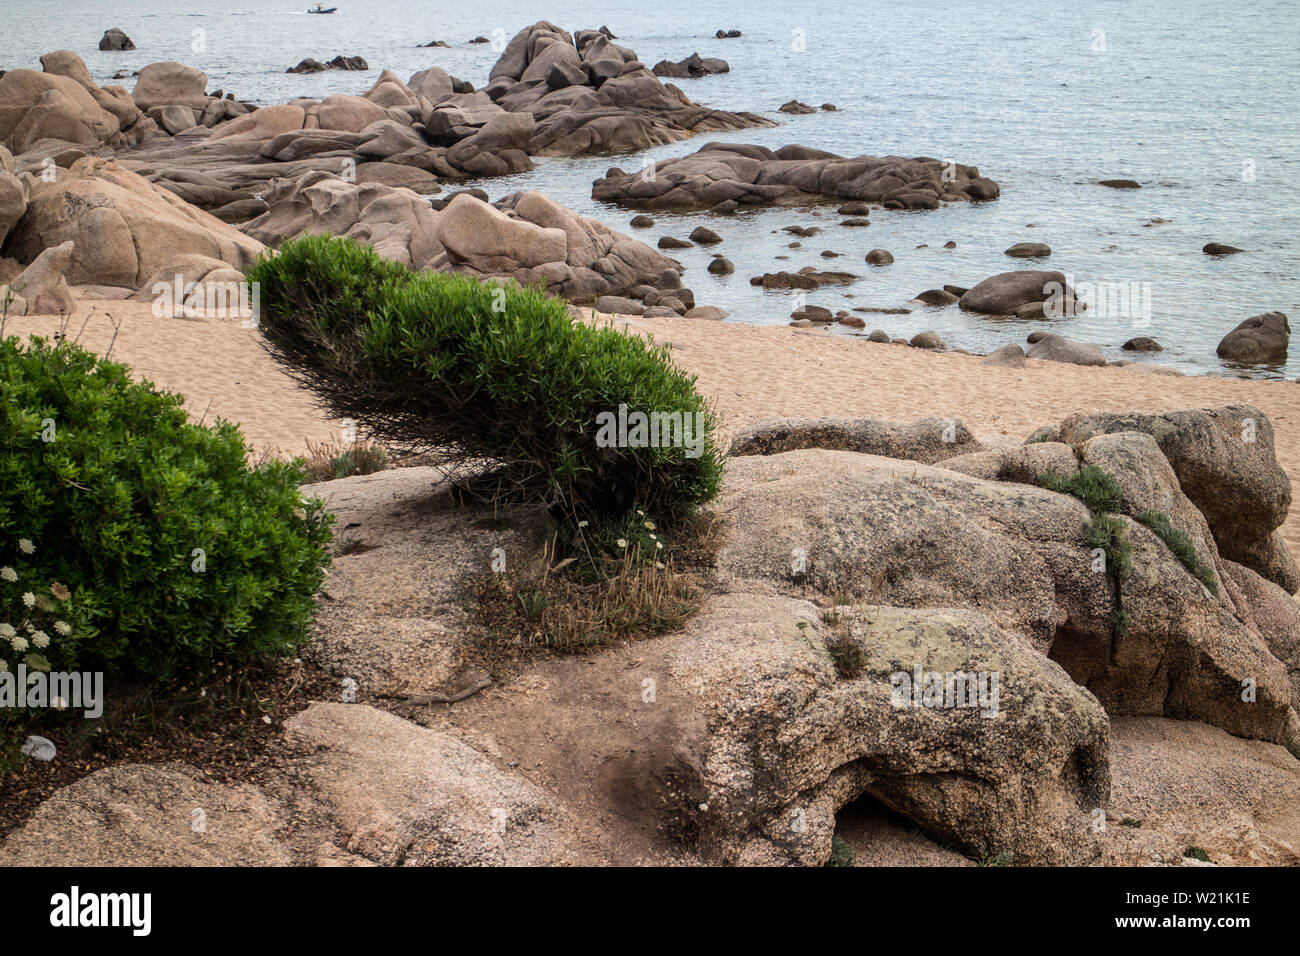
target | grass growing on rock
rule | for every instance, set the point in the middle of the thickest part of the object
(1101, 494)
(1182, 546)
(1096, 489)
(844, 648)
(1001, 858)
(595, 588)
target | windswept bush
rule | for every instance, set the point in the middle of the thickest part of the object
(482, 373)
(133, 541)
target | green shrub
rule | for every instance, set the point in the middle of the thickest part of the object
(1182, 546)
(480, 372)
(138, 543)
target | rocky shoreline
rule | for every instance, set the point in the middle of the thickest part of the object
(366, 166)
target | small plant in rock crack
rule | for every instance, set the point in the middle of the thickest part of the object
(1110, 535)
(1131, 823)
(1105, 532)
(1182, 546)
(842, 644)
(847, 655)
(593, 588)
(1197, 853)
(1001, 858)
(841, 853)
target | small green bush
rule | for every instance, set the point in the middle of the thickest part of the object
(479, 372)
(1111, 535)
(132, 541)
(1182, 546)
(1089, 484)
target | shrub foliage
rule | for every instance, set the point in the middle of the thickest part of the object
(133, 541)
(478, 372)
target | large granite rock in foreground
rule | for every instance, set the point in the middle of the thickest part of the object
(354, 786)
(149, 815)
(786, 741)
(590, 96)
(756, 175)
(1034, 727)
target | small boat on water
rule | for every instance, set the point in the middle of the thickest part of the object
(319, 9)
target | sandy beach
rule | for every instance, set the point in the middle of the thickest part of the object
(752, 372)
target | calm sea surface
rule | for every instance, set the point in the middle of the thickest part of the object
(1197, 100)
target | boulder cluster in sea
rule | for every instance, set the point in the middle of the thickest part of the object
(743, 174)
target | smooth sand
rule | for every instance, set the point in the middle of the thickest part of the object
(752, 372)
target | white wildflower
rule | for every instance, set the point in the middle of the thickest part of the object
(8, 574)
(63, 628)
(58, 703)
(29, 599)
(19, 644)
(25, 546)
(7, 631)
(622, 542)
(40, 640)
